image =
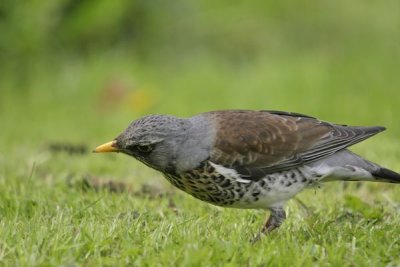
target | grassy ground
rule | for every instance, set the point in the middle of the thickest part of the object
(61, 205)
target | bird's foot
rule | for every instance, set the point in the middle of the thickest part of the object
(274, 221)
(256, 238)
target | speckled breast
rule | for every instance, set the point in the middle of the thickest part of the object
(206, 184)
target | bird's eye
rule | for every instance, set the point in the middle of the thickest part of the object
(144, 148)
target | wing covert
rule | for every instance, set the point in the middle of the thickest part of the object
(256, 143)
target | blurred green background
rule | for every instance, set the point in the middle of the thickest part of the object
(75, 73)
(81, 70)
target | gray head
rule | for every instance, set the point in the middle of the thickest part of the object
(159, 141)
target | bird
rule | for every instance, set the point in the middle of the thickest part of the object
(249, 159)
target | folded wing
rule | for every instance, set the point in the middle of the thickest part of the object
(256, 143)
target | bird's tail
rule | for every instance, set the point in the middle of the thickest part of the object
(386, 175)
(347, 166)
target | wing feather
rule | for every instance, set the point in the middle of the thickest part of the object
(256, 143)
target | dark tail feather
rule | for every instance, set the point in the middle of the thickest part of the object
(387, 175)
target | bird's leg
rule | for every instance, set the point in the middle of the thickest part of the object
(274, 220)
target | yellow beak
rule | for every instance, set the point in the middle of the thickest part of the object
(107, 147)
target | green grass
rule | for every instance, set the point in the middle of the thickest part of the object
(50, 217)
(338, 63)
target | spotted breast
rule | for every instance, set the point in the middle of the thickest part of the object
(223, 186)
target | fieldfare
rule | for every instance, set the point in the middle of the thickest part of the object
(249, 159)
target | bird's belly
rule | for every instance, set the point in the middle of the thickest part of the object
(275, 193)
(228, 191)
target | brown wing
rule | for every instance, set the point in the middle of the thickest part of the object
(256, 143)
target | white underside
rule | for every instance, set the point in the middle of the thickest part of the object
(275, 197)
(346, 173)
(279, 193)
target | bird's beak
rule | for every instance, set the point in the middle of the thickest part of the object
(107, 147)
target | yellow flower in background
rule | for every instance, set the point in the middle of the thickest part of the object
(119, 94)
(140, 100)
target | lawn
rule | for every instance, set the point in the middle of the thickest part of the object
(61, 205)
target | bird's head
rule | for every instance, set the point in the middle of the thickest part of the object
(153, 139)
